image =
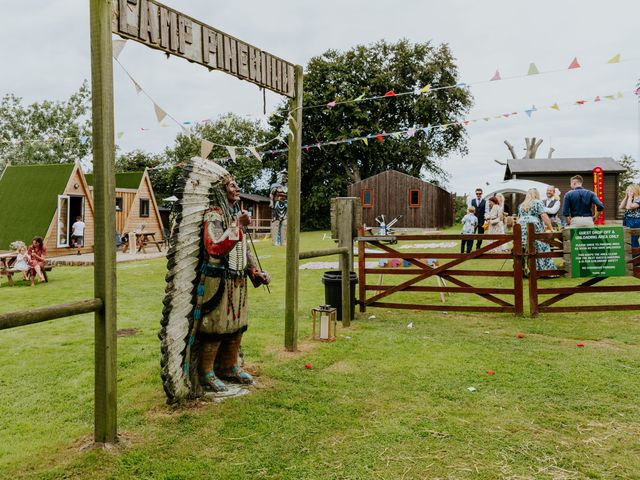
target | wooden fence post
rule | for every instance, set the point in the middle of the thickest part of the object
(344, 226)
(362, 276)
(293, 216)
(518, 268)
(105, 415)
(533, 271)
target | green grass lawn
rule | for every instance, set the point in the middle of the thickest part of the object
(384, 401)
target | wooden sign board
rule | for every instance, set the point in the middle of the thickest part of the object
(163, 28)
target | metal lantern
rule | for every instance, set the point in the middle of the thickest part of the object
(325, 323)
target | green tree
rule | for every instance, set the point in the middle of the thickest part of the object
(228, 129)
(631, 175)
(163, 174)
(374, 70)
(45, 132)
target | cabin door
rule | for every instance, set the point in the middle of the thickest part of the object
(62, 234)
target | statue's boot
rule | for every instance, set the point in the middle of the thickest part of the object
(208, 378)
(229, 361)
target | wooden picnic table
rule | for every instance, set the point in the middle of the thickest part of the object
(142, 240)
(5, 260)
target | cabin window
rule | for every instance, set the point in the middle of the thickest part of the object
(118, 204)
(144, 207)
(367, 199)
(414, 198)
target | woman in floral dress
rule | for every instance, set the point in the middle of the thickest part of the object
(532, 211)
(631, 206)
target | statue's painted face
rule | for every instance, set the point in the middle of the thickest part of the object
(233, 191)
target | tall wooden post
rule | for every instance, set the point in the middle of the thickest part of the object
(344, 221)
(293, 216)
(106, 428)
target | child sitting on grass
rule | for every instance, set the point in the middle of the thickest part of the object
(469, 225)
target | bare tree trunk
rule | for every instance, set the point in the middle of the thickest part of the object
(511, 149)
(551, 150)
(527, 147)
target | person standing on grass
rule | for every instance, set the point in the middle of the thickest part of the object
(77, 233)
(532, 211)
(552, 206)
(469, 224)
(578, 205)
(480, 205)
(631, 205)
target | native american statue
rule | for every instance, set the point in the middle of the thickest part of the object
(278, 204)
(205, 303)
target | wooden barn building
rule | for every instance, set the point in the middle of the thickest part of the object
(391, 193)
(44, 200)
(136, 206)
(558, 172)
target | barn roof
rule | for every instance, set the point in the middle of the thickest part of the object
(29, 199)
(560, 165)
(130, 180)
(255, 198)
(395, 173)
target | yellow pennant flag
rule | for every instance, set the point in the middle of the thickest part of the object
(533, 70)
(555, 106)
(366, 141)
(425, 89)
(614, 59)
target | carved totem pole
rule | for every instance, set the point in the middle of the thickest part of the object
(278, 196)
(205, 304)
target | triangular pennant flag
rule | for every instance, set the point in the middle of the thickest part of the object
(390, 93)
(319, 145)
(120, 135)
(117, 46)
(425, 89)
(232, 152)
(443, 127)
(138, 87)
(610, 97)
(461, 85)
(614, 59)
(365, 140)
(496, 76)
(506, 115)
(255, 152)
(205, 148)
(380, 138)
(160, 113)
(597, 99)
(528, 112)
(411, 132)
(486, 119)
(574, 63)
(360, 97)
(620, 95)
(555, 107)
(533, 70)
(580, 102)
(331, 104)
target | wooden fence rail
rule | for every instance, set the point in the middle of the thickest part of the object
(51, 312)
(442, 272)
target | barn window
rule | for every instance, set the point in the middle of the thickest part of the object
(118, 204)
(144, 207)
(367, 199)
(414, 198)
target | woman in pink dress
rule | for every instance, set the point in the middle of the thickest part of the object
(37, 253)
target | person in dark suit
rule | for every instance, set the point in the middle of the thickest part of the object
(480, 204)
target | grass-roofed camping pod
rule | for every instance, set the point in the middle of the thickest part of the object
(136, 206)
(44, 200)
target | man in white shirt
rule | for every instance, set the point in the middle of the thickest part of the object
(77, 233)
(552, 205)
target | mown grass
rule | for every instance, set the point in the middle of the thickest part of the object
(384, 401)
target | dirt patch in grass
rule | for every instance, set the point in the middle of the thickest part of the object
(341, 367)
(127, 332)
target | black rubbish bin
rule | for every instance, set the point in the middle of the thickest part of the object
(333, 291)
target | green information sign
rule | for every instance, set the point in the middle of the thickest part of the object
(597, 252)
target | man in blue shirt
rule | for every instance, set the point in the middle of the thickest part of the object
(578, 205)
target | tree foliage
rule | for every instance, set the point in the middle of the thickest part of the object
(45, 132)
(374, 70)
(631, 175)
(228, 129)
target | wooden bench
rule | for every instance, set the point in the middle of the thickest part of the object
(10, 272)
